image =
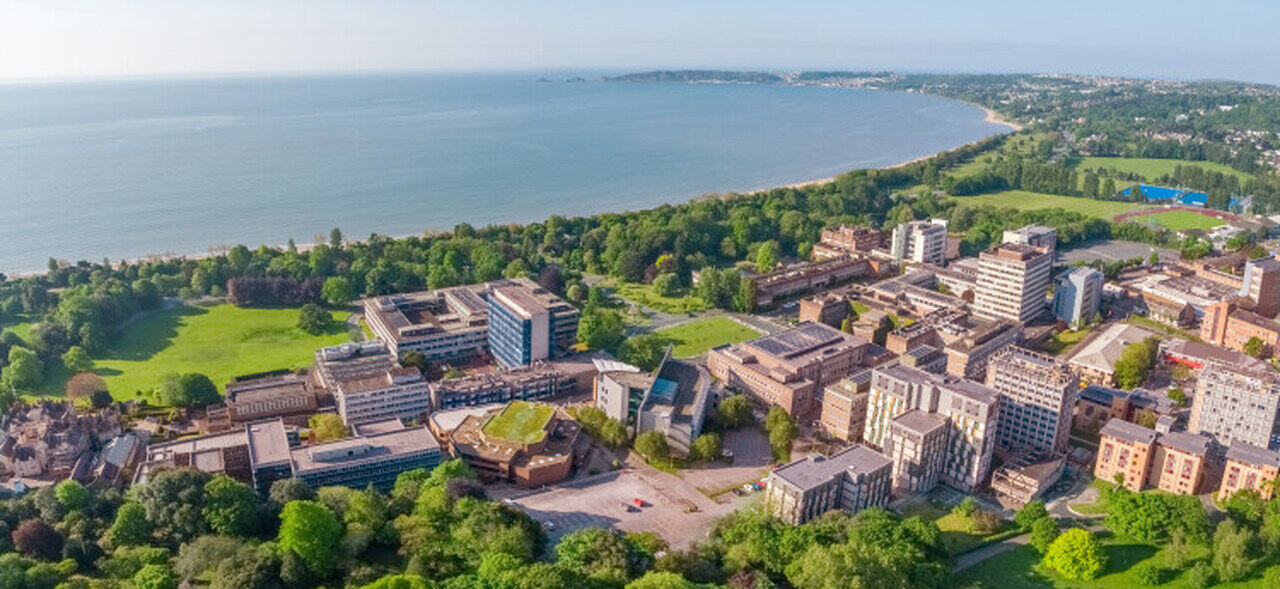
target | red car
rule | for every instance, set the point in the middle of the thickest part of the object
(638, 501)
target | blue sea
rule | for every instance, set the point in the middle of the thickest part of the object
(125, 169)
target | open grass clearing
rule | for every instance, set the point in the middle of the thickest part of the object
(644, 294)
(1063, 341)
(1151, 168)
(955, 528)
(696, 337)
(1029, 201)
(520, 421)
(1181, 220)
(221, 342)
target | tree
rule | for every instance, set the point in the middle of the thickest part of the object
(766, 257)
(37, 539)
(187, 390)
(312, 532)
(130, 526)
(781, 430)
(660, 580)
(706, 446)
(203, 554)
(326, 427)
(155, 576)
(77, 360)
(1231, 558)
(613, 434)
(248, 568)
(601, 329)
(966, 507)
(1135, 362)
(24, 369)
(666, 284)
(1076, 555)
(1201, 575)
(84, 385)
(1030, 514)
(71, 494)
(1149, 574)
(983, 522)
(1177, 395)
(1255, 347)
(173, 500)
(645, 351)
(1043, 532)
(291, 489)
(313, 319)
(735, 411)
(230, 507)
(652, 445)
(603, 555)
(338, 291)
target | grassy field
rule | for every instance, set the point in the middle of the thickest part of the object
(644, 294)
(1063, 341)
(1026, 201)
(1020, 568)
(1152, 168)
(1181, 220)
(220, 342)
(520, 421)
(698, 336)
(955, 528)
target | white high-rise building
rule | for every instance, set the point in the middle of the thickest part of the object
(1013, 280)
(1037, 397)
(1077, 295)
(1034, 235)
(920, 242)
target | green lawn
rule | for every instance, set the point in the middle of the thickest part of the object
(644, 294)
(698, 336)
(955, 528)
(520, 421)
(221, 342)
(1025, 201)
(1019, 568)
(1063, 341)
(1181, 220)
(1152, 168)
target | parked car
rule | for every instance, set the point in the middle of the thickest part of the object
(639, 502)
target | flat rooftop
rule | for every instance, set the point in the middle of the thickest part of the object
(1128, 432)
(802, 340)
(814, 470)
(520, 421)
(363, 449)
(268, 443)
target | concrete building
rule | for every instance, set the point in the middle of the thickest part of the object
(351, 361)
(620, 389)
(1033, 235)
(1236, 405)
(847, 240)
(1013, 280)
(853, 479)
(254, 398)
(828, 309)
(1262, 285)
(546, 457)
(399, 392)
(1037, 394)
(1077, 294)
(968, 412)
(1173, 461)
(1249, 467)
(1196, 355)
(375, 455)
(920, 241)
(1025, 476)
(528, 324)
(773, 287)
(844, 407)
(674, 400)
(789, 368)
(1095, 362)
(539, 381)
(966, 341)
(1096, 405)
(1230, 327)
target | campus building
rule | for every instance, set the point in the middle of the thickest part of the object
(529, 444)
(853, 480)
(1261, 284)
(1249, 467)
(803, 277)
(1172, 461)
(539, 381)
(1077, 294)
(1033, 235)
(1096, 405)
(1236, 405)
(258, 397)
(920, 242)
(934, 428)
(847, 240)
(1095, 362)
(397, 393)
(1013, 280)
(1037, 395)
(844, 407)
(789, 368)
(1226, 325)
(528, 324)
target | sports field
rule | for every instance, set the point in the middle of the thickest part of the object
(1029, 201)
(700, 335)
(1181, 220)
(520, 421)
(1152, 168)
(221, 342)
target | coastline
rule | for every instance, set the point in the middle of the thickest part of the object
(215, 250)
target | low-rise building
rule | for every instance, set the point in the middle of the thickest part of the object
(530, 444)
(1025, 476)
(1096, 405)
(788, 368)
(676, 403)
(1231, 327)
(853, 479)
(1195, 355)
(375, 455)
(828, 309)
(1175, 462)
(398, 393)
(1249, 467)
(1124, 454)
(803, 277)
(258, 397)
(1039, 236)
(50, 439)
(847, 240)
(1095, 361)
(539, 381)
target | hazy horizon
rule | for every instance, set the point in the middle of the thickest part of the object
(83, 39)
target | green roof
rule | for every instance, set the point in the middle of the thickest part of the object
(520, 421)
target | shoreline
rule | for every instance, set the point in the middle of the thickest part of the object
(217, 250)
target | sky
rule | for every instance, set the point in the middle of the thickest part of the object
(130, 38)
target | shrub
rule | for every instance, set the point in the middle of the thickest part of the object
(1149, 574)
(1201, 576)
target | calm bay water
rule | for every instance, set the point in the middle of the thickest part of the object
(127, 169)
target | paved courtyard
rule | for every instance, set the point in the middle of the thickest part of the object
(751, 459)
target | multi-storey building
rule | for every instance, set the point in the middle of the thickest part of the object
(920, 241)
(802, 277)
(853, 479)
(1236, 405)
(1077, 294)
(496, 450)
(844, 407)
(528, 324)
(847, 239)
(375, 454)
(1037, 394)
(1140, 458)
(350, 361)
(1096, 405)
(915, 443)
(1226, 325)
(789, 368)
(1034, 235)
(1013, 280)
(399, 392)
(1262, 285)
(255, 398)
(1249, 467)
(967, 410)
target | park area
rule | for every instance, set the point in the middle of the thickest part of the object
(220, 341)
(520, 421)
(958, 533)
(1027, 201)
(696, 337)
(1152, 168)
